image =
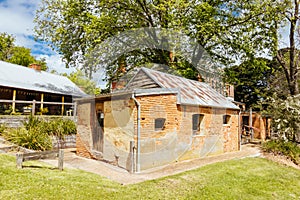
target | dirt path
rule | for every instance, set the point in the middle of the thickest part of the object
(123, 177)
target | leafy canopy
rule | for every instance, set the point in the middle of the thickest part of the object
(228, 30)
(88, 86)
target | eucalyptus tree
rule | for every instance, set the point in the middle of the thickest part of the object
(289, 57)
(227, 30)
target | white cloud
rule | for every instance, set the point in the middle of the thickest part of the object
(284, 37)
(55, 63)
(16, 18)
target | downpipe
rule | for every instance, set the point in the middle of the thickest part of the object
(138, 149)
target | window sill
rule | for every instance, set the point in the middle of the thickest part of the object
(198, 135)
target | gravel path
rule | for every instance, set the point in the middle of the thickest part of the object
(122, 176)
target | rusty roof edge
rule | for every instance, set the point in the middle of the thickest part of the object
(211, 106)
(155, 91)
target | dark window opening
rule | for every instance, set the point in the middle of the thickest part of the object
(226, 119)
(197, 119)
(159, 124)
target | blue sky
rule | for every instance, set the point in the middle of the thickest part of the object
(16, 18)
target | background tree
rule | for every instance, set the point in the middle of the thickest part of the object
(11, 53)
(6, 46)
(288, 58)
(228, 30)
(87, 85)
(251, 81)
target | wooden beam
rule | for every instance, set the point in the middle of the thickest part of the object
(42, 103)
(14, 99)
(62, 105)
(22, 157)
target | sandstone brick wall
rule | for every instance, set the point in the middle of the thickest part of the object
(84, 129)
(175, 141)
(157, 106)
(177, 136)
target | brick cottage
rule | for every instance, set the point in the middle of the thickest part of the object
(157, 119)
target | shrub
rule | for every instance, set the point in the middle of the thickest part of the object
(30, 139)
(32, 122)
(285, 117)
(281, 147)
(2, 128)
(56, 127)
(61, 127)
(36, 132)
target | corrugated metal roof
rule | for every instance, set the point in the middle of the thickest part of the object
(16, 76)
(191, 92)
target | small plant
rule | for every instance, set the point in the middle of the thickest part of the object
(281, 147)
(61, 127)
(30, 139)
(8, 111)
(43, 111)
(2, 128)
(32, 122)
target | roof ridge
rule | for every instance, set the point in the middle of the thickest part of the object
(167, 74)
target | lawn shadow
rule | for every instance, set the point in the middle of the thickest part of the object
(39, 167)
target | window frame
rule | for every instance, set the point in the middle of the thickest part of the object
(156, 121)
(199, 118)
(226, 119)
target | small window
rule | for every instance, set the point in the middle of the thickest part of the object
(159, 124)
(226, 119)
(197, 119)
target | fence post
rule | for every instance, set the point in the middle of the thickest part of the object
(61, 159)
(75, 109)
(251, 128)
(33, 108)
(131, 157)
(19, 157)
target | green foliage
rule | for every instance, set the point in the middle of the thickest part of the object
(251, 81)
(37, 132)
(89, 86)
(281, 147)
(32, 122)
(30, 139)
(6, 45)
(2, 128)
(17, 54)
(228, 30)
(285, 117)
(56, 127)
(61, 127)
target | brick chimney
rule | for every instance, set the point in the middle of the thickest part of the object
(229, 90)
(199, 78)
(35, 66)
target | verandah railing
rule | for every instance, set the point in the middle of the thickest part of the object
(33, 104)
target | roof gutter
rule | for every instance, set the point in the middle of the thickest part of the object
(138, 166)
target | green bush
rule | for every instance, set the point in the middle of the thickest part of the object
(30, 139)
(61, 127)
(32, 122)
(36, 132)
(281, 147)
(2, 128)
(56, 127)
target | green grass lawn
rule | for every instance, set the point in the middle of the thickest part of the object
(251, 178)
